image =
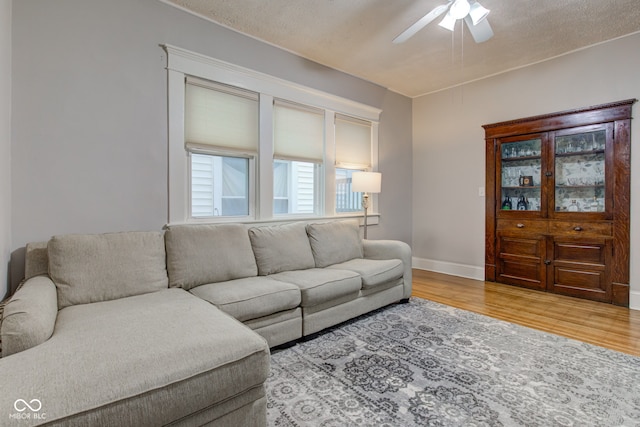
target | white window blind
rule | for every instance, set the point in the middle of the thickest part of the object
(298, 132)
(353, 142)
(220, 117)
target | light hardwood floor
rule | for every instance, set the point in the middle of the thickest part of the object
(601, 324)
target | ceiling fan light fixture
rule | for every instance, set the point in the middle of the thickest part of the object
(471, 11)
(459, 9)
(477, 12)
(448, 22)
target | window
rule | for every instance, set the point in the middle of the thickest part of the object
(247, 146)
(219, 186)
(346, 200)
(281, 189)
(221, 136)
(294, 187)
(298, 151)
(353, 153)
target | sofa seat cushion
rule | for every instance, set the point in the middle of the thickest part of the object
(319, 285)
(144, 360)
(374, 272)
(198, 254)
(250, 298)
(100, 267)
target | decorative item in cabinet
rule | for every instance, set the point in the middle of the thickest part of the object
(580, 172)
(520, 174)
(552, 184)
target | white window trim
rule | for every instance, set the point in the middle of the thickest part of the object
(182, 62)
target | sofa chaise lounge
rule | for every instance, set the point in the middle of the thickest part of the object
(174, 327)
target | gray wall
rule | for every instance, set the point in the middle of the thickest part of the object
(448, 141)
(90, 115)
(395, 151)
(5, 143)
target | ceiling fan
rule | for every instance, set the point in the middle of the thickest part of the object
(470, 10)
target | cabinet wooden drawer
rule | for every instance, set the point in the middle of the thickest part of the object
(579, 228)
(522, 226)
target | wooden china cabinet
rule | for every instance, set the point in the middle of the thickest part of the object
(557, 202)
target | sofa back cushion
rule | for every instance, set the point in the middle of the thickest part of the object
(281, 248)
(202, 254)
(335, 242)
(100, 267)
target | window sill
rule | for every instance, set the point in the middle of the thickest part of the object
(372, 219)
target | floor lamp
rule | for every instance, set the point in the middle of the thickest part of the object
(366, 182)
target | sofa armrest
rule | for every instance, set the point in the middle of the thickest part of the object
(392, 249)
(36, 260)
(29, 316)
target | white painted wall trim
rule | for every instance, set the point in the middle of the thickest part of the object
(199, 65)
(373, 219)
(452, 268)
(634, 300)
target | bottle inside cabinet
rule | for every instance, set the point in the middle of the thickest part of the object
(521, 175)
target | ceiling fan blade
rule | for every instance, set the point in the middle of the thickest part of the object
(421, 23)
(481, 32)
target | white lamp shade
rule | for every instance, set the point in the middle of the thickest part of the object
(366, 182)
(448, 22)
(477, 13)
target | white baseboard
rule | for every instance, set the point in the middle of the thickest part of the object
(461, 270)
(634, 300)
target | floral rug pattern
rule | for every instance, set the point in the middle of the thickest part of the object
(427, 364)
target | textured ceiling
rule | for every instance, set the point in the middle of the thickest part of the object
(355, 36)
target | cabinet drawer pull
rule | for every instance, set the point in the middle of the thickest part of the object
(577, 228)
(520, 225)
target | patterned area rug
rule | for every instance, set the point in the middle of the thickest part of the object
(427, 364)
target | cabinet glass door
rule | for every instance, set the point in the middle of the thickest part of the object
(521, 175)
(580, 172)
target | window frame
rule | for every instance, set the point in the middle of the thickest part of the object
(288, 198)
(182, 63)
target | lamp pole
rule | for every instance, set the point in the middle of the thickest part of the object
(365, 205)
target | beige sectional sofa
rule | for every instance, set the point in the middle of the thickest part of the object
(174, 327)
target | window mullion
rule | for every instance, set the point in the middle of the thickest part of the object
(374, 161)
(329, 163)
(217, 186)
(264, 184)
